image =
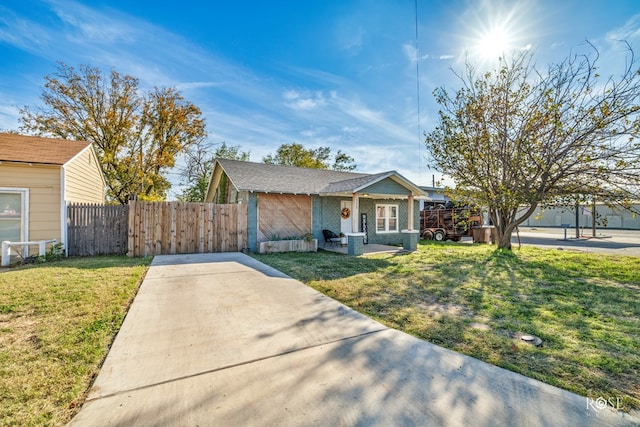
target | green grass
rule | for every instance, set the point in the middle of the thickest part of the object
(57, 321)
(473, 298)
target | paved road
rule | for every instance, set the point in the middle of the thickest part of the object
(223, 340)
(620, 242)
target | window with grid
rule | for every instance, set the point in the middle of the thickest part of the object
(386, 218)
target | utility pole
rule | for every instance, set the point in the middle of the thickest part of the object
(593, 218)
(577, 220)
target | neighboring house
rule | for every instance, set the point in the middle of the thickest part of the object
(38, 177)
(285, 201)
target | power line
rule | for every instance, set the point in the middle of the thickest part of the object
(418, 91)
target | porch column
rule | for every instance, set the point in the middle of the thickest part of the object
(410, 213)
(410, 236)
(355, 214)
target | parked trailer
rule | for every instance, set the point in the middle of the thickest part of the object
(443, 223)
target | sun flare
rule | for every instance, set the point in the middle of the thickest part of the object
(494, 29)
(494, 43)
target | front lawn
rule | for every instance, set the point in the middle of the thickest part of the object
(57, 321)
(475, 300)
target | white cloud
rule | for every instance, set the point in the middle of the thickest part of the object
(630, 31)
(23, 33)
(350, 37)
(384, 127)
(412, 54)
(106, 38)
(321, 77)
(196, 85)
(8, 117)
(303, 100)
(89, 25)
(290, 95)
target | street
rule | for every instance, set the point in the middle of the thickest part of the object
(619, 242)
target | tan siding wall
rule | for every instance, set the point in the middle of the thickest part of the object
(83, 180)
(283, 215)
(43, 183)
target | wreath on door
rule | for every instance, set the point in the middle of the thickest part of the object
(345, 213)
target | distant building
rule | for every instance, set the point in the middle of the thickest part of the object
(436, 196)
(606, 217)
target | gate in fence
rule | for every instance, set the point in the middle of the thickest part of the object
(156, 228)
(185, 228)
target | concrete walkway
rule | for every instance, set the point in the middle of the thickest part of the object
(223, 340)
(368, 249)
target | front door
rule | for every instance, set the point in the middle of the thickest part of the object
(345, 216)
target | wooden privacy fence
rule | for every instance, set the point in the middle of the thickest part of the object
(155, 228)
(183, 228)
(97, 229)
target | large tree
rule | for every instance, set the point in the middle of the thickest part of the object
(199, 160)
(136, 135)
(320, 158)
(517, 137)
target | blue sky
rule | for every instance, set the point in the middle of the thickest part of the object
(337, 73)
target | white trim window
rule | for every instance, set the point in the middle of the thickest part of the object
(13, 214)
(386, 218)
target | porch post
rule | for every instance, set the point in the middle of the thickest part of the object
(410, 213)
(355, 239)
(410, 236)
(355, 215)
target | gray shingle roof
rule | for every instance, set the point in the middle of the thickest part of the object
(265, 178)
(354, 183)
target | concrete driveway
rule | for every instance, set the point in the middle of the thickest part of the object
(223, 340)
